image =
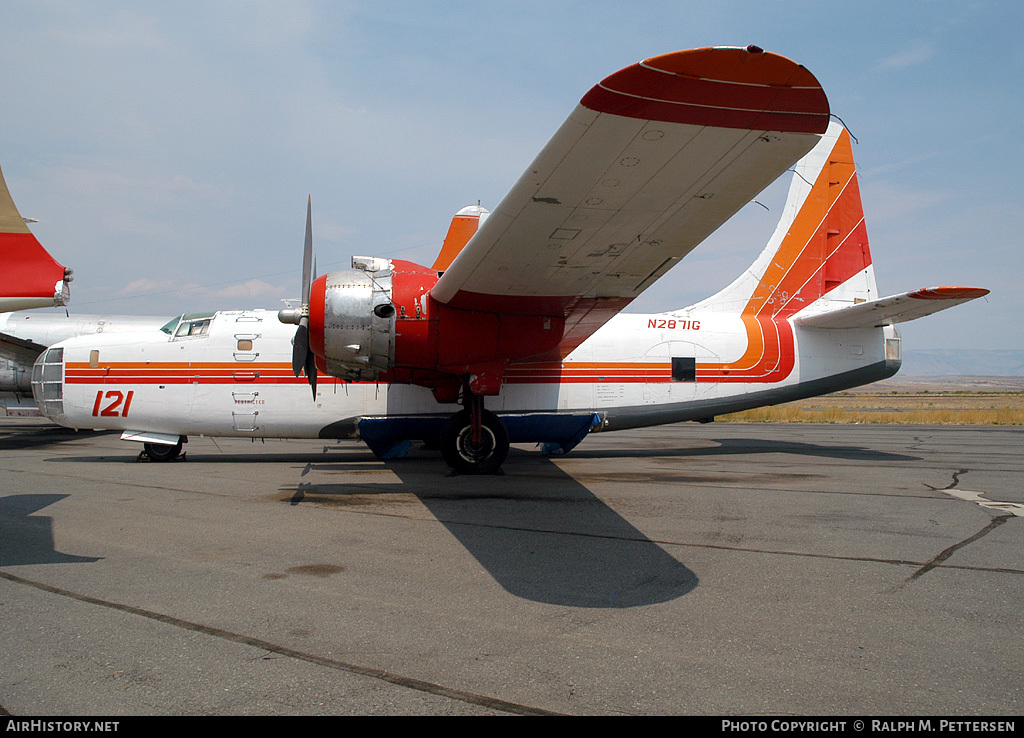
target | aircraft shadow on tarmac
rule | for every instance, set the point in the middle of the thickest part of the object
(27, 538)
(542, 535)
(731, 446)
(16, 437)
(261, 453)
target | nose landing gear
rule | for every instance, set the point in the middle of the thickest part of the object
(163, 452)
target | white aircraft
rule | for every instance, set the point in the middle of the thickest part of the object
(30, 277)
(24, 335)
(522, 307)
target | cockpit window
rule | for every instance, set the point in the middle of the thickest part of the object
(189, 325)
(192, 328)
(168, 327)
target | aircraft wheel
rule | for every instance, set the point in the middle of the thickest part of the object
(466, 457)
(162, 451)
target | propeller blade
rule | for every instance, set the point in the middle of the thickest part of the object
(300, 347)
(307, 252)
(311, 371)
(302, 357)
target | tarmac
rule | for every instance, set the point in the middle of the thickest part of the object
(719, 569)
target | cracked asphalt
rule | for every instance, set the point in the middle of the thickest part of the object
(686, 569)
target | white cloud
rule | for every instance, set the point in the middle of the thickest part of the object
(253, 289)
(917, 52)
(144, 286)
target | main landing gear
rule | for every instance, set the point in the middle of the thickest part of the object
(162, 451)
(474, 440)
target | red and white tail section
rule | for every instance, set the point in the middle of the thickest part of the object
(819, 252)
(29, 276)
(817, 266)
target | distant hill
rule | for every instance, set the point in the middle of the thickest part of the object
(962, 362)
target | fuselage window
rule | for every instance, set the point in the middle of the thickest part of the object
(684, 369)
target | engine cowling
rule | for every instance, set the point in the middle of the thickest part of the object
(352, 320)
(378, 322)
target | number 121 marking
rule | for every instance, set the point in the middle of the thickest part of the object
(113, 410)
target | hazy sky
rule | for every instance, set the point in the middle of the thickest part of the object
(167, 149)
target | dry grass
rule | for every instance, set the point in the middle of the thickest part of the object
(895, 407)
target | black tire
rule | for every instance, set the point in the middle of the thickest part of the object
(462, 455)
(162, 451)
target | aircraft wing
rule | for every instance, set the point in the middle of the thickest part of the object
(896, 309)
(652, 160)
(29, 276)
(19, 350)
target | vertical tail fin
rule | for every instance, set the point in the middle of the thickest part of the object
(29, 276)
(464, 226)
(819, 250)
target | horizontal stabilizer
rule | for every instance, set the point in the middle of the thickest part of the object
(894, 309)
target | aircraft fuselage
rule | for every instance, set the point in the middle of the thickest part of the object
(229, 374)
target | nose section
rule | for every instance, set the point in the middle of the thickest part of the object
(317, 300)
(48, 383)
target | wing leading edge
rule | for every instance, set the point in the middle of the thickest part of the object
(19, 350)
(653, 160)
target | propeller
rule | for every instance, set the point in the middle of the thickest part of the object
(302, 358)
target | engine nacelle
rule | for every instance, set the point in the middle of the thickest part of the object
(15, 377)
(352, 320)
(378, 322)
